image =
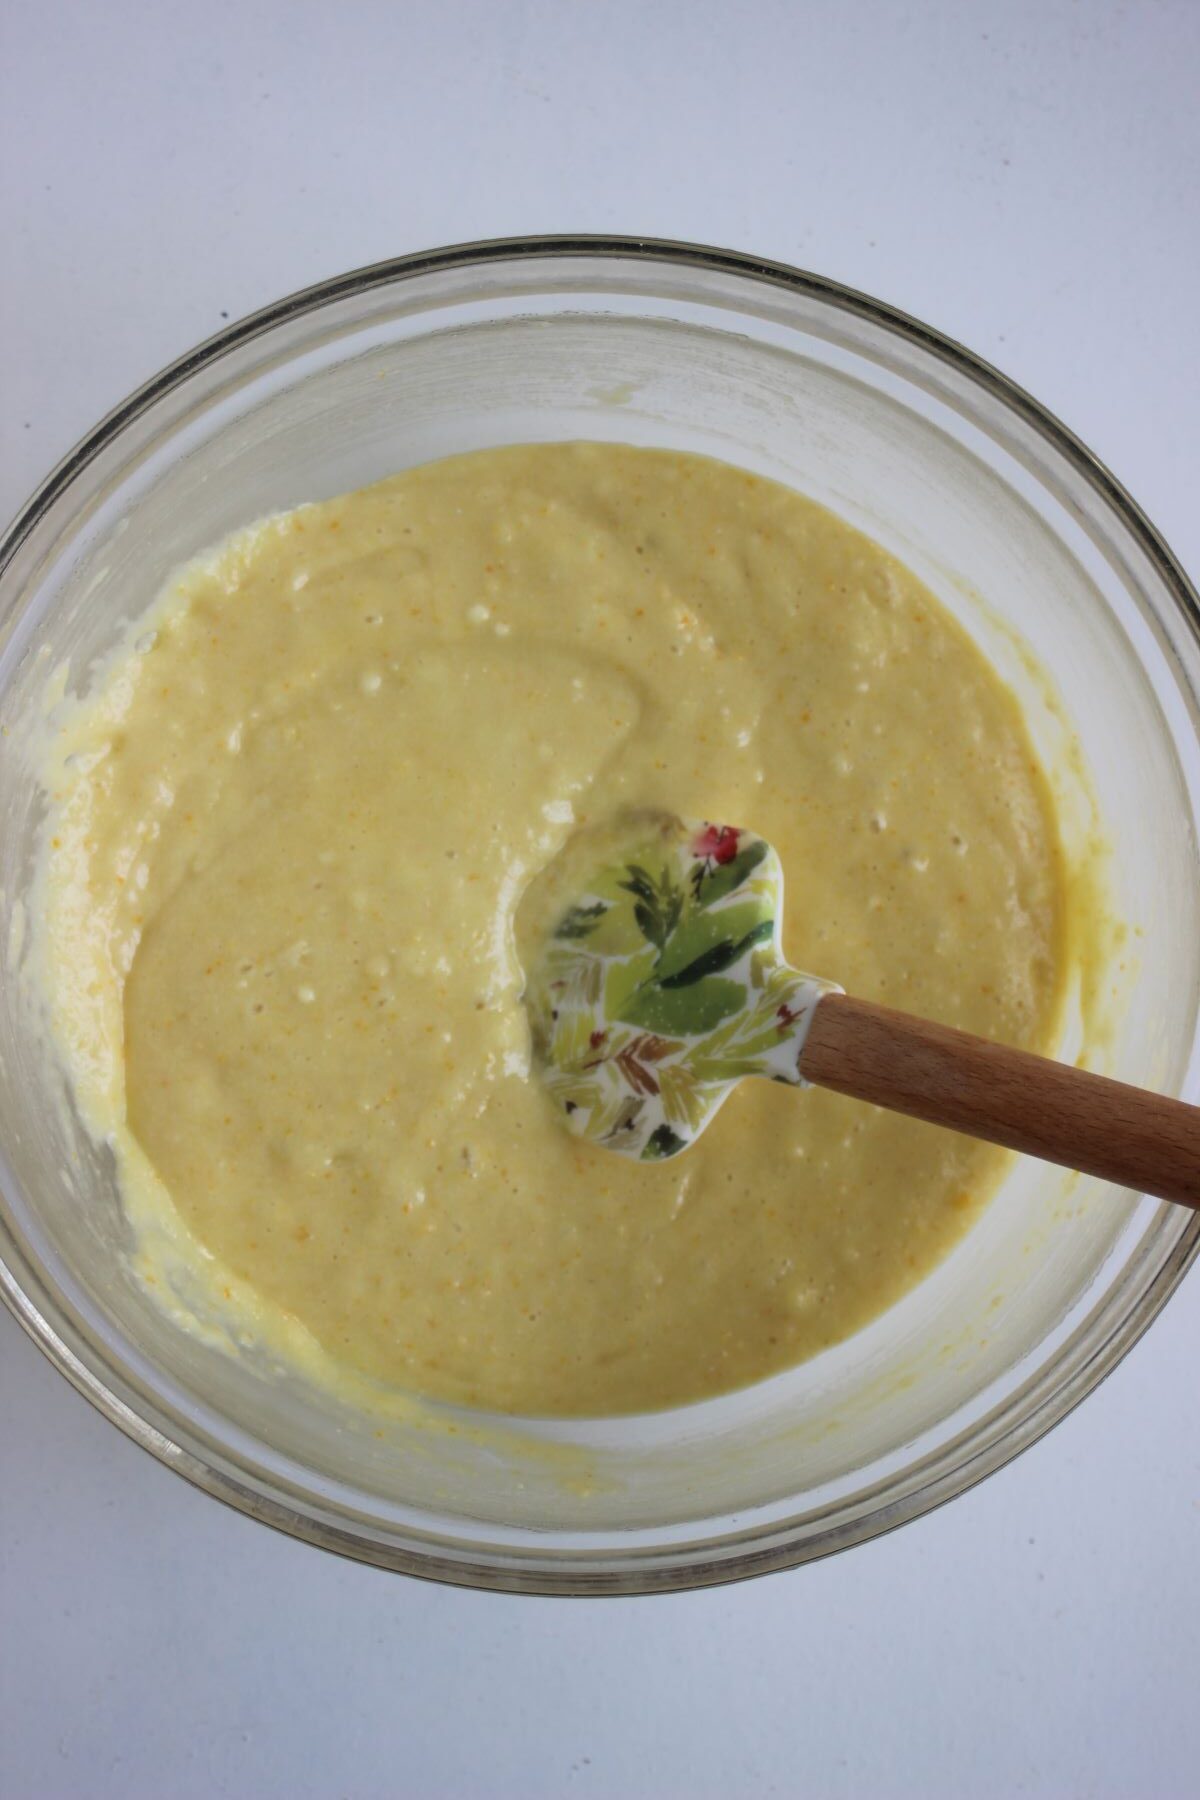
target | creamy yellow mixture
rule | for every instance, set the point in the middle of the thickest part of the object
(296, 822)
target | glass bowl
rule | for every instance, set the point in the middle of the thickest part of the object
(1016, 527)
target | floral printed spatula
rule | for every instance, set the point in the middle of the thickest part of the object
(655, 982)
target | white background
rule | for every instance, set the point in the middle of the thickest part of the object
(1024, 176)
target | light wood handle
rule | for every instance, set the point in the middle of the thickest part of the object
(1123, 1134)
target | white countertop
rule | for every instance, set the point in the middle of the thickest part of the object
(1024, 176)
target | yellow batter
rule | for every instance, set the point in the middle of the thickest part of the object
(297, 821)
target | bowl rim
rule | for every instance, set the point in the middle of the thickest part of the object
(989, 1442)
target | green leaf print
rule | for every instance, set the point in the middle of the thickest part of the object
(571, 1091)
(684, 1012)
(700, 928)
(623, 979)
(617, 933)
(661, 1143)
(658, 903)
(682, 1100)
(620, 1119)
(638, 882)
(571, 1044)
(721, 879)
(721, 956)
(580, 921)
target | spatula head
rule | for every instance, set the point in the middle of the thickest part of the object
(655, 981)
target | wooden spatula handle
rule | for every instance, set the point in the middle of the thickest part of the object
(1123, 1134)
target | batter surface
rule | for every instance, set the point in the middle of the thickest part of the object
(297, 821)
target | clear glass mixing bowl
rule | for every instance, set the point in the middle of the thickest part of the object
(1014, 525)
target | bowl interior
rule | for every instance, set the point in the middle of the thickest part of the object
(1012, 533)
